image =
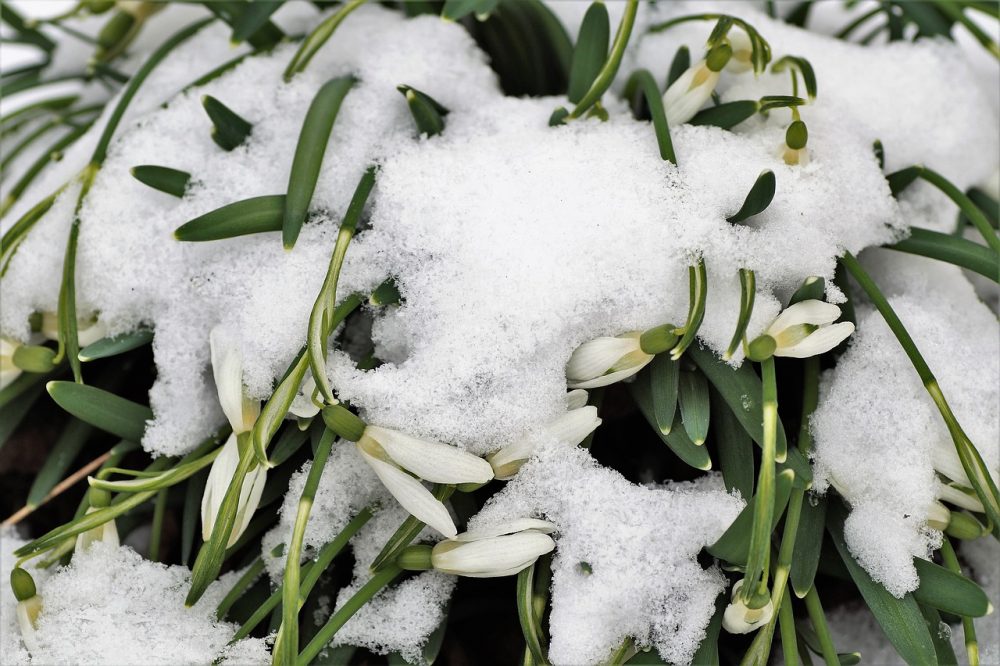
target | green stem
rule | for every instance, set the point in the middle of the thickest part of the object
(748, 292)
(789, 641)
(698, 296)
(972, 462)
(156, 533)
(346, 612)
(966, 204)
(950, 560)
(249, 576)
(642, 80)
(317, 38)
(763, 514)
(527, 616)
(607, 74)
(287, 645)
(810, 399)
(818, 619)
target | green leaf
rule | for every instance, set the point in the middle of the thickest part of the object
(879, 151)
(694, 403)
(62, 455)
(771, 102)
(315, 40)
(119, 344)
(940, 634)
(986, 203)
(951, 249)
(902, 179)
(733, 545)
(309, 153)
(900, 619)
(677, 440)
(664, 376)
(734, 446)
(102, 409)
(948, 591)
(812, 288)
(255, 18)
(726, 116)
(453, 10)
(16, 408)
(803, 67)
(808, 544)
(590, 52)
(250, 216)
(229, 129)
(164, 179)
(679, 65)
(758, 198)
(708, 651)
(530, 624)
(642, 81)
(427, 113)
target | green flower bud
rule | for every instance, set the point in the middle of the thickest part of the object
(115, 30)
(797, 135)
(343, 422)
(415, 558)
(658, 339)
(962, 525)
(99, 498)
(22, 583)
(762, 348)
(718, 57)
(32, 358)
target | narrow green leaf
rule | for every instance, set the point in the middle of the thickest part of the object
(677, 440)
(940, 634)
(590, 52)
(309, 153)
(526, 614)
(808, 544)
(642, 81)
(680, 64)
(951, 249)
(427, 113)
(694, 403)
(734, 446)
(812, 288)
(948, 591)
(727, 115)
(119, 344)
(14, 410)
(164, 179)
(748, 294)
(255, 17)
(246, 17)
(608, 71)
(697, 297)
(453, 10)
(229, 129)
(733, 545)
(986, 203)
(62, 455)
(250, 216)
(101, 409)
(315, 40)
(900, 619)
(879, 151)
(758, 198)
(771, 102)
(902, 179)
(708, 651)
(664, 375)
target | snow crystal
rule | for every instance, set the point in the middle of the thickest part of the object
(111, 606)
(873, 409)
(640, 543)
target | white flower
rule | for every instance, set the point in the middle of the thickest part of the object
(793, 149)
(963, 499)
(742, 59)
(242, 412)
(392, 454)
(29, 606)
(802, 330)
(105, 533)
(303, 406)
(502, 550)
(739, 618)
(8, 371)
(570, 428)
(688, 93)
(88, 331)
(606, 360)
(938, 516)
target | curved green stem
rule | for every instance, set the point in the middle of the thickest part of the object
(818, 620)
(607, 74)
(763, 514)
(530, 626)
(748, 292)
(642, 80)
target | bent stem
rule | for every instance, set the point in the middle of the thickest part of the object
(697, 297)
(748, 292)
(763, 513)
(972, 462)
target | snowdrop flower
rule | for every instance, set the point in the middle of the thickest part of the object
(938, 516)
(742, 49)
(105, 533)
(242, 412)
(740, 618)
(570, 428)
(8, 370)
(793, 150)
(394, 456)
(29, 606)
(607, 360)
(502, 550)
(694, 87)
(88, 331)
(303, 407)
(802, 330)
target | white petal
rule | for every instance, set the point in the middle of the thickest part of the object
(25, 624)
(250, 493)
(431, 461)
(91, 334)
(573, 426)
(509, 527)
(412, 495)
(819, 341)
(611, 378)
(960, 499)
(219, 476)
(682, 85)
(680, 108)
(742, 52)
(817, 313)
(592, 359)
(945, 459)
(106, 533)
(576, 399)
(227, 369)
(8, 375)
(496, 556)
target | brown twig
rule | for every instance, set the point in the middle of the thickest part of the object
(62, 486)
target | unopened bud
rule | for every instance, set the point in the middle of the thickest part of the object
(345, 423)
(34, 358)
(658, 339)
(718, 57)
(22, 583)
(762, 348)
(415, 558)
(797, 135)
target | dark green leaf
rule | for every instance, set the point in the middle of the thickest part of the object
(734, 544)
(812, 288)
(101, 409)
(427, 113)
(164, 179)
(642, 81)
(590, 52)
(879, 151)
(250, 216)
(664, 375)
(229, 130)
(951, 249)
(808, 544)
(734, 446)
(309, 153)
(677, 440)
(726, 116)
(456, 9)
(694, 403)
(902, 179)
(758, 198)
(65, 450)
(191, 513)
(940, 634)
(255, 18)
(16, 408)
(679, 65)
(118, 344)
(948, 591)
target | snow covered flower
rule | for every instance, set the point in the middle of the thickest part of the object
(491, 552)
(396, 457)
(607, 360)
(740, 617)
(106, 532)
(8, 370)
(29, 606)
(802, 330)
(793, 150)
(694, 87)
(242, 412)
(570, 428)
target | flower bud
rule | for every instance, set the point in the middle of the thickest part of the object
(742, 617)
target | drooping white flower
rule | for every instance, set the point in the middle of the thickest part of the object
(502, 550)
(570, 428)
(794, 150)
(694, 87)
(606, 360)
(742, 58)
(303, 407)
(8, 370)
(88, 330)
(29, 606)
(739, 618)
(802, 330)
(242, 412)
(106, 532)
(394, 456)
